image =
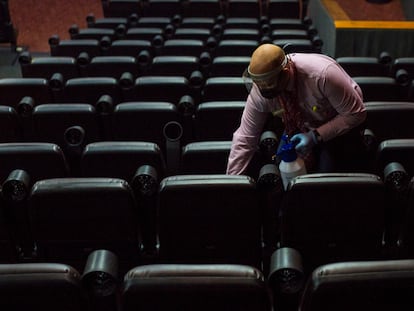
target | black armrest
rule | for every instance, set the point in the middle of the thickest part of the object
(100, 276)
(269, 178)
(286, 271)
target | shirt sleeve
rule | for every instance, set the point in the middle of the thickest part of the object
(246, 137)
(345, 96)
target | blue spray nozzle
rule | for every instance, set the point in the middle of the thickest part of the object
(285, 138)
(287, 151)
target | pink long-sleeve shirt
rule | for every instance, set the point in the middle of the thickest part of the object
(329, 99)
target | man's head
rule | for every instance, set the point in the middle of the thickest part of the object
(268, 69)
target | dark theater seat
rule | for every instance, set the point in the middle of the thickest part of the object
(209, 219)
(201, 287)
(360, 286)
(70, 217)
(42, 286)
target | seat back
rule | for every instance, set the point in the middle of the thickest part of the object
(154, 21)
(183, 47)
(284, 8)
(296, 45)
(174, 65)
(334, 217)
(39, 160)
(143, 33)
(141, 164)
(163, 8)
(70, 217)
(287, 23)
(366, 285)
(189, 287)
(406, 63)
(363, 66)
(46, 66)
(289, 34)
(124, 157)
(106, 22)
(233, 47)
(9, 243)
(390, 120)
(144, 121)
(202, 8)
(12, 91)
(41, 286)
(111, 66)
(131, 47)
(70, 126)
(241, 34)
(205, 157)
(51, 121)
(159, 88)
(224, 88)
(192, 33)
(10, 127)
(243, 8)
(241, 22)
(95, 33)
(72, 48)
(199, 22)
(395, 150)
(232, 66)
(382, 89)
(406, 233)
(22, 164)
(217, 120)
(89, 90)
(209, 219)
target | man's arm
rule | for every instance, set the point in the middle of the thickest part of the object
(246, 138)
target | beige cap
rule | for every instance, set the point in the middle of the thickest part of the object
(266, 58)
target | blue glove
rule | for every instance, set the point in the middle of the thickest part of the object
(304, 142)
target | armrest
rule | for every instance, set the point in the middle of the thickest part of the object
(286, 271)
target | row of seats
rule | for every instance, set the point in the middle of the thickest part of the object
(203, 8)
(175, 88)
(188, 224)
(202, 28)
(190, 67)
(73, 126)
(197, 70)
(81, 148)
(146, 88)
(163, 122)
(155, 44)
(383, 66)
(263, 23)
(64, 219)
(373, 285)
(194, 28)
(213, 219)
(162, 31)
(195, 218)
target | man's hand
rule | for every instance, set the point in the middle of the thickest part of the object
(304, 142)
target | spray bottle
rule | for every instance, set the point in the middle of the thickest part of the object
(290, 165)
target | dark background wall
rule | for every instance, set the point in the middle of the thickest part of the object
(408, 7)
